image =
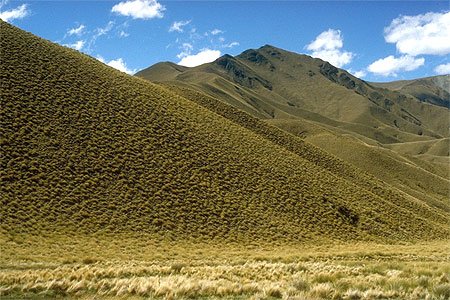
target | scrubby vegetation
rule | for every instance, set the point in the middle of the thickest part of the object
(316, 155)
(114, 187)
(328, 107)
(86, 148)
(139, 269)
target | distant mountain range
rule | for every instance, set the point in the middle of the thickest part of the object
(88, 150)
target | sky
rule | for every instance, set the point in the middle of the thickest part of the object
(374, 40)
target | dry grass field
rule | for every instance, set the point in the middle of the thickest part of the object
(127, 267)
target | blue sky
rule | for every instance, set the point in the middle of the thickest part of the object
(376, 40)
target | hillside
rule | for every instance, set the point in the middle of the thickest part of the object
(87, 149)
(278, 84)
(434, 90)
(361, 123)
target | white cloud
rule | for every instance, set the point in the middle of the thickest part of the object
(17, 13)
(204, 56)
(327, 40)
(105, 30)
(422, 34)
(100, 31)
(77, 45)
(176, 26)
(231, 45)
(442, 69)
(327, 46)
(216, 31)
(359, 74)
(390, 65)
(123, 34)
(76, 31)
(187, 49)
(118, 64)
(335, 57)
(140, 9)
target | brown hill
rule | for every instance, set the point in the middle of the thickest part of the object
(434, 90)
(275, 84)
(357, 121)
(88, 149)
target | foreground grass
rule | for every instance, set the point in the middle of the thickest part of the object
(94, 268)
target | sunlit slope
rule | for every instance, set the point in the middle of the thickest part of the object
(434, 90)
(425, 178)
(276, 84)
(87, 149)
(357, 121)
(385, 165)
(425, 181)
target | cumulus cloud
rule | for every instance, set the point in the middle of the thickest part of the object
(359, 74)
(17, 13)
(177, 26)
(76, 31)
(327, 40)
(327, 46)
(204, 56)
(77, 45)
(442, 69)
(118, 64)
(422, 34)
(389, 66)
(139, 9)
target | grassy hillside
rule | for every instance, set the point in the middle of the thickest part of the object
(275, 84)
(427, 181)
(434, 90)
(408, 175)
(112, 187)
(364, 124)
(87, 149)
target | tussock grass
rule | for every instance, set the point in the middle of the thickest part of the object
(333, 110)
(113, 187)
(202, 271)
(89, 150)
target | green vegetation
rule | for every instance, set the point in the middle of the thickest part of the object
(89, 149)
(396, 136)
(434, 184)
(115, 187)
(275, 84)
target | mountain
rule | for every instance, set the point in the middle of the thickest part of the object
(434, 90)
(395, 136)
(277, 84)
(87, 149)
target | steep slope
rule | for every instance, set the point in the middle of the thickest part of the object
(389, 167)
(86, 148)
(357, 121)
(274, 84)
